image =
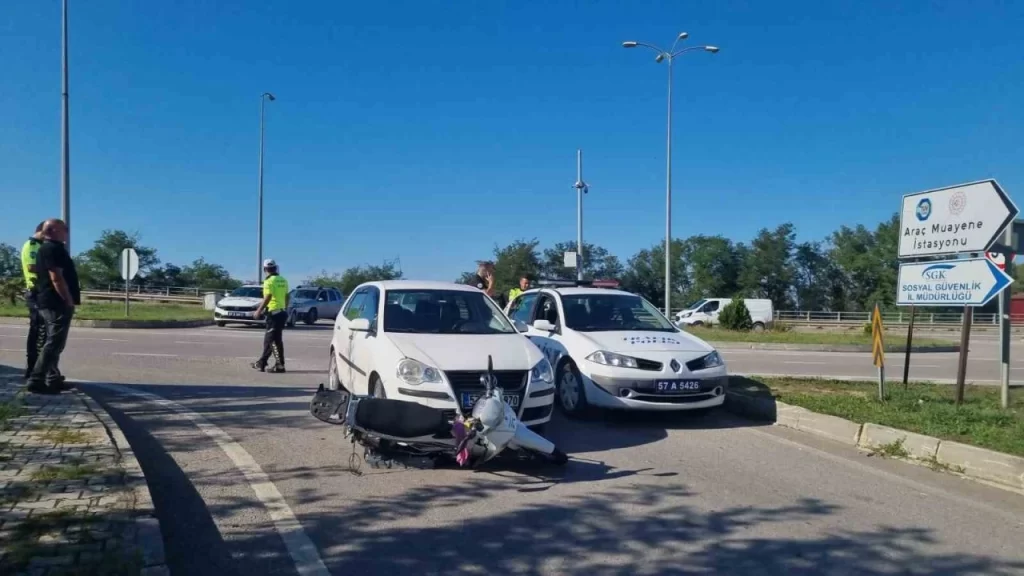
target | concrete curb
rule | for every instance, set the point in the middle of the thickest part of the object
(989, 466)
(120, 323)
(852, 348)
(147, 525)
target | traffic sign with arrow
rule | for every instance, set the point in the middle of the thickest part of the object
(967, 282)
(954, 220)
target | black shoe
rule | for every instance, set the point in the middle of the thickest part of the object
(258, 366)
(277, 369)
(65, 385)
(41, 389)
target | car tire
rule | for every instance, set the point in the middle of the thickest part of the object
(758, 327)
(311, 317)
(377, 388)
(221, 324)
(570, 393)
(291, 320)
(333, 378)
(697, 324)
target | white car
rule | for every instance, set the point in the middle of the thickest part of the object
(613, 349)
(239, 306)
(428, 342)
(310, 303)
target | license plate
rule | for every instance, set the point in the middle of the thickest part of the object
(470, 398)
(238, 314)
(676, 386)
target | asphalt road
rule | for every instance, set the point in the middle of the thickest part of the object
(246, 482)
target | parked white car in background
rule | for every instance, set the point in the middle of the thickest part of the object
(613, 349)
(310, 303)
(705, 312)
(428, 342)
(239, 306)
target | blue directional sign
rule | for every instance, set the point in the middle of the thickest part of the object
(968, 282)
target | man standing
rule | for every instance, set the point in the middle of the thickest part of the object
(275, 302)
(29, 251)
(57, 294)
(524, 284)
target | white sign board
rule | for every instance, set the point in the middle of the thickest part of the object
(570, 259)
(965, 218)
(129, 264)
(968, 282)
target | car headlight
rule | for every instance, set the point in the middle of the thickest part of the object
(612, 359)
(712, 360)
(415, 372)
(542, 372)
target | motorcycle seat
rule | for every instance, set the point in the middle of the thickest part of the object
(400, 419)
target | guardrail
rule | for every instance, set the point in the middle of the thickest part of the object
(104, 295)
(161, 290)
(888, 318)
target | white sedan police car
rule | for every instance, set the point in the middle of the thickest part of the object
(428, 342)
(613, 349)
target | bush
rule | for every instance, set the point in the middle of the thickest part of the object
(781, 326)
(11, 290)
(735, 316)
(868, 330)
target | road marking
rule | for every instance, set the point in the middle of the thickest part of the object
(143, 354)
(300, 547)
(799, 362)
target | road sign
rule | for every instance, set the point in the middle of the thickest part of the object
(877, 340)
(129, 264)
(964, 218)
(967, 282)
(570, 259)
(999, 259)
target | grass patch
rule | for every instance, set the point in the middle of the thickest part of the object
(75, 471)
(65, 436)
(49, 533)
(794, 337)
(10, 409)
(115, 311)
(923, 408)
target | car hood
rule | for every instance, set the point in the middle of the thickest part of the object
(631, 341)
(239, 301)
(302, 301)
(469, 351)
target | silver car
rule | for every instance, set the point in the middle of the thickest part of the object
(310, 303)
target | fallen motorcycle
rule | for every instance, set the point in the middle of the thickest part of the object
(413, 435)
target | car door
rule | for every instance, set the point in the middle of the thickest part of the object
(363, 343)
(521, 308)
(550, 343)
(712, 309)
(343, 336)
(336, 301)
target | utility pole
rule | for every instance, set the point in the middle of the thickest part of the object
(65, 155)
(581, 189)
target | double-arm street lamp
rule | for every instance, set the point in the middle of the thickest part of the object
(259, 225)
(669, 55)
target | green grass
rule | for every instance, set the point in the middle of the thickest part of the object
(115, 311)
(69, 472)
(793, 337)
(923, 408)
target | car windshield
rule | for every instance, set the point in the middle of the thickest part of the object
(613, 312)
(443, 312)
(247, 292)
(696, 304)
(305, 294)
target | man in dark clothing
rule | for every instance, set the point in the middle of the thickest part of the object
(57, 294)
(28, 269)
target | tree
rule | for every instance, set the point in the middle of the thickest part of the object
(867, 265)
(166, 275)
(203, 274)
(645, 274)
(768, 267)
(817, 280)
(712, 265)
(98, 266)
(10, 261)
(598, 263)
(351, 278)
(736, 316)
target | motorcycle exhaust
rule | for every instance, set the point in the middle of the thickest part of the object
(530, 440)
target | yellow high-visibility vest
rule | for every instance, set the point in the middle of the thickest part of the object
(29, 252)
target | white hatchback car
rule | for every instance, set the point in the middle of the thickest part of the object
(613, 349)
(428, 342)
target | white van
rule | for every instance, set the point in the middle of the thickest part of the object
(705, 312)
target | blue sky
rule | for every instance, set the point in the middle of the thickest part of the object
(431, 131)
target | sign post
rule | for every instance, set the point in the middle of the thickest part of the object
(910, 342)
(951, 223)
(129, 265)
(878, 350)
(1004, 329)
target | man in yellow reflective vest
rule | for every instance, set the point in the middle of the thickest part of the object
(524, 284)
(29, 250)
(275, 303)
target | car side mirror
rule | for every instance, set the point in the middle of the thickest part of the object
(359, 325)
(520, 325)
(543, 325)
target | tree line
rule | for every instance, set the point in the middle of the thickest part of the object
(850, 270)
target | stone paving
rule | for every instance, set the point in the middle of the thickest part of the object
(72, 497)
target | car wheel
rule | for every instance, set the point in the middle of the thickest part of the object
(221, 324)
(572, 397)
(697, 324)
(311, 316)
(333, 379)
(758, 327)
(291, 320)
(377, 388)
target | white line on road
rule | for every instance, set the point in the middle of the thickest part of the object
(301, 548)
(799, 362)
(143, 354)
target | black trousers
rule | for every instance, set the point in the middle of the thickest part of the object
(56, 326)
(36, 334)
(273, 340)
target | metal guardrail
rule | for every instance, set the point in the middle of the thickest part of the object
(888, 318)
(161, 290)
(140, 297)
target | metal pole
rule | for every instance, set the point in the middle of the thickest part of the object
(65, 159)
(579, 214)
(1004, 329)
(259, 224)
(910, 342)
(965, 339)
(668, 198)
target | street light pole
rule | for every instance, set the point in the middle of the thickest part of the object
(65, 155)
(581, 189)
(669, 55)
(259, 225)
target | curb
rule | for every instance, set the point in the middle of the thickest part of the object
(861, 348)
(8, 320)
(988, 466)
(147, 525)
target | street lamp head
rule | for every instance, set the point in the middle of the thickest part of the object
(683, 35)
(629, 44)
(269, 96)
(659, 58)
(712, 49)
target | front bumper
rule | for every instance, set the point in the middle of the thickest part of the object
(615, 390)
(229, 316)
(538, 401)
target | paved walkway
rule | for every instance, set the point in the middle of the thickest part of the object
(72, 496)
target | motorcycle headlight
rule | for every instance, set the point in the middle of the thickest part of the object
(612, 359)
(415, 372)
(542, 372)
(712, 360)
